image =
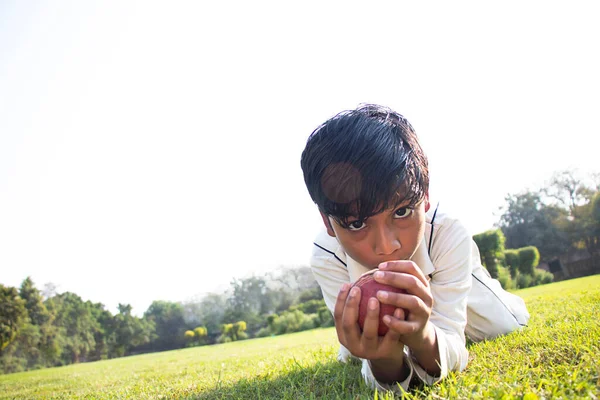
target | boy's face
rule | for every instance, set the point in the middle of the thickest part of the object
(393, 234)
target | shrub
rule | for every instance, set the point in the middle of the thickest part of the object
(310, 322)
(505, 279)
(189, 335)
(264, 332)
(271, 318)
(309, 307)
(541, 277)
(293, 321)
(529, 258)
(325, 317)
(524, 281)
(511, 257)
(200, 331)
(223, 339)
(491, 247)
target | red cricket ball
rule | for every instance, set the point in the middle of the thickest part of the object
(369, 288)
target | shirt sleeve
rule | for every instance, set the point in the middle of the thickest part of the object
(328, 268)
(450, 285)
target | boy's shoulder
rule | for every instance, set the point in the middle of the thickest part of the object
(328, 247)
(443, 232)
(439, 218)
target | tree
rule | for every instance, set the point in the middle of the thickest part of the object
(129, 331)
(34, 303)
(526, 220)
(77, 326)
(568, 189)
(12, 313)
(169, 324)
(583, 226)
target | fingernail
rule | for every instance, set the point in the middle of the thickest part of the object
(382, 294)
(372, 304)
(383, 265)
(345, 287)
(397, 313)
(379, 275)
(387, 319)
(353, 292)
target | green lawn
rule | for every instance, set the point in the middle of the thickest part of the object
(557, 356)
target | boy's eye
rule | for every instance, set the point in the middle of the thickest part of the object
(403, 212)
(356, 225)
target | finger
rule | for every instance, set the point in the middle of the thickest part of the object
(400, 314)
(392, 336)
(338, 310)
(405, 281)
(370, 335)
(350, 327)
(413, 304)
(401, 328)
(405, 266)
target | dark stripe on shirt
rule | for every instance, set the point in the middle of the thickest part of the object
(505, 306)
(331, 252)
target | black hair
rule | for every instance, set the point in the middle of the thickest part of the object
(364, 161)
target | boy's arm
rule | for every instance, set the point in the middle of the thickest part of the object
(327, 265)
(450, 285)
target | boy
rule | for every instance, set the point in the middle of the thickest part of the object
(369, 177)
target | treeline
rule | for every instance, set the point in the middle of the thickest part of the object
(38, 331)
(561, 217)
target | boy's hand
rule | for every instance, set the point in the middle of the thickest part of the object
(415, 331)
(368, 344)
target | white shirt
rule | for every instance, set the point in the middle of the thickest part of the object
(449, 263)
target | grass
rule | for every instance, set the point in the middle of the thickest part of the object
(557, 356)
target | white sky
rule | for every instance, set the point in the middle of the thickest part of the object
(150, 151)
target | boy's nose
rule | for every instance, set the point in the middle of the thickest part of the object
(385, 242)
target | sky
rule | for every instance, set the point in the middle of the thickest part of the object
(151, 150)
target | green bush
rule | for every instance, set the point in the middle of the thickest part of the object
(491, 248)
(309, 307)
(325, 317)
(511, 259)
(505, 279)
(541, 277)
(293, 321)
(524, 281)
(271, 318)
(529, 258)
(264, 332)
(311, 322)
(223, 339)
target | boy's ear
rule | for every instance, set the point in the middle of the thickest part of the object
(427, 205)
(327, 223)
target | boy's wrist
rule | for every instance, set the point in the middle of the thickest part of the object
(426, 352)
(391, 369)
(425, 341)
